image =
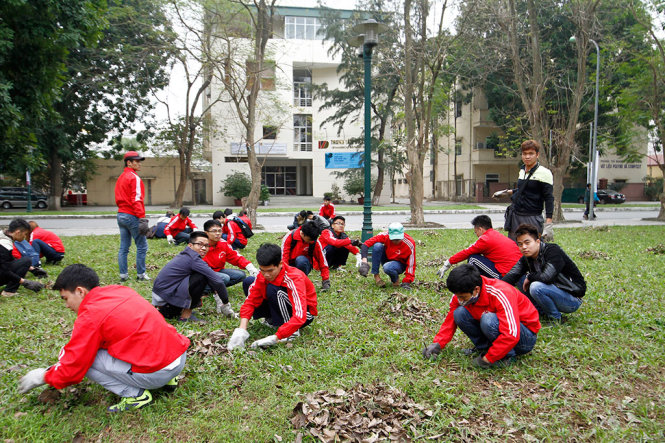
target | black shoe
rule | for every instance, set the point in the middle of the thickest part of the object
(55, 261)
(39, 272)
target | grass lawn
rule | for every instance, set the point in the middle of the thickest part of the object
(599, 376)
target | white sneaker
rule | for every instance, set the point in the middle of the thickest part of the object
(142, 277)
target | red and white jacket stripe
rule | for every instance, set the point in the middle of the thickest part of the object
(300, 290)
(129, 193)
(327, 237)
(511, 308)
(404, 252)
(498, 248)
(176, 225)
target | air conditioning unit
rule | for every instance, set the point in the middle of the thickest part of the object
(480, 145)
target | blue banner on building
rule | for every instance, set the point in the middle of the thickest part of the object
(344, 160)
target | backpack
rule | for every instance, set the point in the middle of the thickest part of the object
(321, 223)
(244, 228)
(310, 251)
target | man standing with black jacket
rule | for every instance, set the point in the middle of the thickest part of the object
(551, 279)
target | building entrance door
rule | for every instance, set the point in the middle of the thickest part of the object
(280, 180)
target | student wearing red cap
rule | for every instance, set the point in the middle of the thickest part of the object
(129, 195)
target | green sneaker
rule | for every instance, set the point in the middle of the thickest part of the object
(171, 385)
(128, 403)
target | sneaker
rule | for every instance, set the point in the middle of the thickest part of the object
(54, 261)
(192, 319)
(142, 277)
(128, 403)
(380, 283)
(171, 385)
(266, 322)
(124, 277)
(39, 272)
(8, 294)
(291, 337)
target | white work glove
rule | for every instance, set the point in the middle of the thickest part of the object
(226, 309)
(31, 380)
(252, 270)
(548, 232)
(443, 269)
(238, 339)
(265, 342)
(169, 238)
(359, 260)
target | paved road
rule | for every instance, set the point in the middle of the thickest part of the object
(277, 223)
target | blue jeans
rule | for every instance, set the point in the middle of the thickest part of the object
(42, 248)
(552, 301)
(129, 228)
(231, 276)
(303, 263)
(181, 237)
(392, 268)
(484, 265)
(483, 333)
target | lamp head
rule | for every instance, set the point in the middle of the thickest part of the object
(370, 29)
(572, 39)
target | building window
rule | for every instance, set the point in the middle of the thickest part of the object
(302, 87)
(270, 132)
(302, 28)
(458, 108)
(280, 180)
(267, 74)
(458, 147)
(302, 132)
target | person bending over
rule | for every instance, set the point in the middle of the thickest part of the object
(301, 248)
(118, 341)
(46, 244)
(498, 319)
(281, 294)
(493, 253)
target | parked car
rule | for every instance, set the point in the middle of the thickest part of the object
(12, 197)
(610, 196)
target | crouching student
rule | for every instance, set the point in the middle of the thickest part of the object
(220, 252)
(118, 341)
(396, 251)
(281, 294)
(302, 249)
(337, 244)
(180, 284)
(499, 320)
(549, 277)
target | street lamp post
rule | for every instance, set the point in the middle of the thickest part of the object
(367, 36)
(593, 160)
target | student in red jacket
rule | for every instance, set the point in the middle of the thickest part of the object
(327, 209)
(301, 248)
(493, 253)
(396, 251)
(46, 244)
(178, 229)
(129, 195)
(281, 294)
(220, 252)
(499, 320)
(118, 341)
(336, 244)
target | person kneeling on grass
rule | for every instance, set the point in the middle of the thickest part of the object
(393, 249)
(302, 249)
(550, 278)
(281, 294)
(118, 341)
(180, 284)
(498, 319)
(13, 271)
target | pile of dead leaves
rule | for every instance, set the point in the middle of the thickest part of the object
(368, 414)
(595, 255)
(435, 262)
(410, 308)
(436, 285)
(658, 249)
(205, 344)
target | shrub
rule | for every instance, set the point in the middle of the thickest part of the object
(237, 185)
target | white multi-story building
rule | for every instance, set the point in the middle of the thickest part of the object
(298, 154)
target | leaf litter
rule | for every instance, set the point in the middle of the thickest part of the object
(206, 344)
(595, 255)
(363, 413)
(659, 249)
(410, 308)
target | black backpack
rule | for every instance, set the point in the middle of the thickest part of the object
(244, 228)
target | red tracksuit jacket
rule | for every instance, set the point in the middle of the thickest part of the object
(221, 253)
(501, 250)
(233, 232)
(117, 319)
(47, 237)
(510, 306)
(129, 193)
(302, 296)
(176, 225)
(327, 237)
(302, 248)
(327, 211)
(404, 252)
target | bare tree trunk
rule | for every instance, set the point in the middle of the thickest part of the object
(55, 176)
(558, 189)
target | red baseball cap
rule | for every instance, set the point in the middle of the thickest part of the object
(133, 155)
